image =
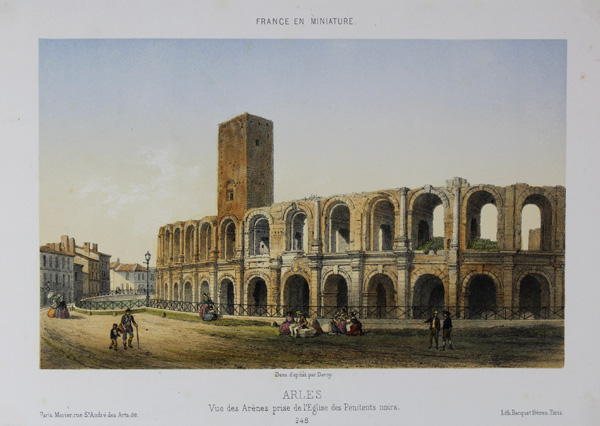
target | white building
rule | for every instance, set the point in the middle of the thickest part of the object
(131, 277)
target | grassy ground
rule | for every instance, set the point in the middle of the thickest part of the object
(181, 341)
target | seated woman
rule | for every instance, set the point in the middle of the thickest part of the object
(284, 328)
(210, 315)
(355, 326)
(204, 304)
(342, 321)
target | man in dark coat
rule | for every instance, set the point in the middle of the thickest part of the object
(434, 329)
(447, 331)
(127, 321)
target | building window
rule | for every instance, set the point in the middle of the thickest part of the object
(44, 260)
(257, 142)
(229, 195)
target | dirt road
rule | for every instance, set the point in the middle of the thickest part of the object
(179, 342)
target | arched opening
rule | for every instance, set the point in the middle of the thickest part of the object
(260, 233)
(299, 237)
(227, 297)
(383, 226)
(297, 294)
(229, 240)
(381, 299)
(168, 244)
(428, 296)
(536, 224)
(187, 292)
(189, 243)
(205, 241)
(204, 289)
(165, 294)
(531, 228)
(423, 233)
(482, 222)
(339, 229)
(481, 297)
(534, 296)
(229, 191)
(257, 297)
(427, 214)
(176, 293)
(335, 295)
(176, 242)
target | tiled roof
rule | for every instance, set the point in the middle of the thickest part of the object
(47, 249)
(128, 267)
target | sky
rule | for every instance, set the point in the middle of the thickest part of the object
(128, 127)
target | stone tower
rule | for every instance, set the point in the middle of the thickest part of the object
(245, 170)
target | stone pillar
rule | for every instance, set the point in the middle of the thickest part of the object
(213, 285)
(195, 287)
(159, 252)
(510, 287)
(510, 240)
(196, 243)
(238, 287)
(273, 290)
(315, 290)
(455, 218)
(171, 245)
(559, 285)
(180, 287)
(315, 285)
(404, 290)
(355, 288)
(182, 245)
(453, 298)
(316, 243)
(402, 231)
(559, 227)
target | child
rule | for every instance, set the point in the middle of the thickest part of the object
(114, 335)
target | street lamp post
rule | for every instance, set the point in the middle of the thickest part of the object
(147, 256)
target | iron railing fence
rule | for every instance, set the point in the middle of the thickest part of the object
(107, 305)
(369, 312)
(121, 293)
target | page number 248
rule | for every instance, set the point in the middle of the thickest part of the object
(302, 420)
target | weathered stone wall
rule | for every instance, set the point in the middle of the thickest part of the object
(360, 249)
(245, 171)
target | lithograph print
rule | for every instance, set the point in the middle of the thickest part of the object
(302, 203)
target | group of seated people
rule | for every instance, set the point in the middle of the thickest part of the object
(349, 325)
(342, 323)
(292, 325)
(207, 309)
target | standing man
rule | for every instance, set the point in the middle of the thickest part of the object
(434, 329)
(127, 321)
(447, 331)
